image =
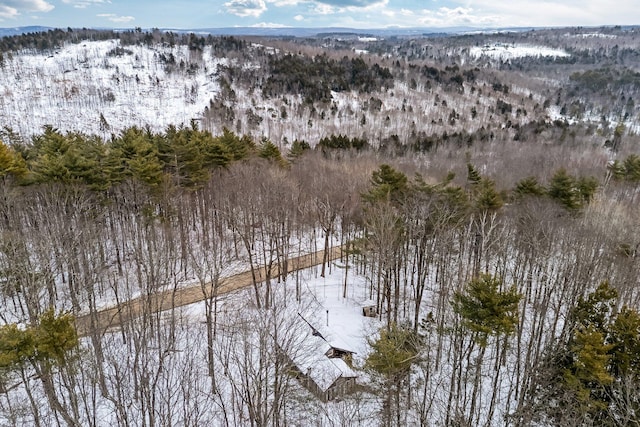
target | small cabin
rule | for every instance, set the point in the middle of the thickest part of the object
(370, 311)
(329, 381)
(325, 369)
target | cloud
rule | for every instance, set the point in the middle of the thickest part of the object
(268, 25)
(324, 9)
(7, 12)
(282, 3)
(82, 4)
(116, 18)
(328, 7)
(10, 9)
(255, 8)
(450, 17)
(354, 7)
(339, 4)
(246, 8)
(465, 13)
(349, 3)
(552, 13)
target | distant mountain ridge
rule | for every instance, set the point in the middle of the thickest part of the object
(311, 32)
(305, 32)
(277, 31)
(14, 31)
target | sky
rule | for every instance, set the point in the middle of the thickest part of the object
(193, 14)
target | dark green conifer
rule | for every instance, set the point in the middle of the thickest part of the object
(485, 309)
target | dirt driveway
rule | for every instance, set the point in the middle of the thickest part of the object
(165, 300)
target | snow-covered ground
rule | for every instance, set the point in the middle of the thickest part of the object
(500, 51)
(592, 36)
(177, 354)
(631, 125)
(102, 88)
(339, 320)
(72, 88)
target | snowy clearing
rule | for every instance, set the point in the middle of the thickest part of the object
(511, 51)
(103, 87)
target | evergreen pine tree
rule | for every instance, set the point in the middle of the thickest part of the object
(182, 155)
(49, 340)
(600, 360)
(587, 375)
(485, 309)
(596, 309)
(616, 170)
(391, 357)
(632, 168)
(487, 198)
(215, 153)
(16, 346)
(586, 187)
(528, 187)
(11, 163)
(50, 149)
(297, 149)
(55, 336)
(562, 188)
(269, 151)
(625, 338)
(138, 156)
(239, 148)
(473, 176)
(394, 351)
(387, 184)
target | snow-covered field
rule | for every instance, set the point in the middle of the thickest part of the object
(500, 51)
(74, 87)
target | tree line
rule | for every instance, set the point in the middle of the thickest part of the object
(315, 78)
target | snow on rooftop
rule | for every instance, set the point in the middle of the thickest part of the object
(314, 363)
(347, 328)
(340, 323)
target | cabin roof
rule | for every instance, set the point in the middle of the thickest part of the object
(314, 363)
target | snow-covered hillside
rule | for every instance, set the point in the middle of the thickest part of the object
(127, 85)
(104, 87)
(503, 52)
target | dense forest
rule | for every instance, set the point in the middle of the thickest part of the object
(498, 249)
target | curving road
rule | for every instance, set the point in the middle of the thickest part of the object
(165, 300)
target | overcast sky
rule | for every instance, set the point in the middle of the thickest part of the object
(317, 13)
